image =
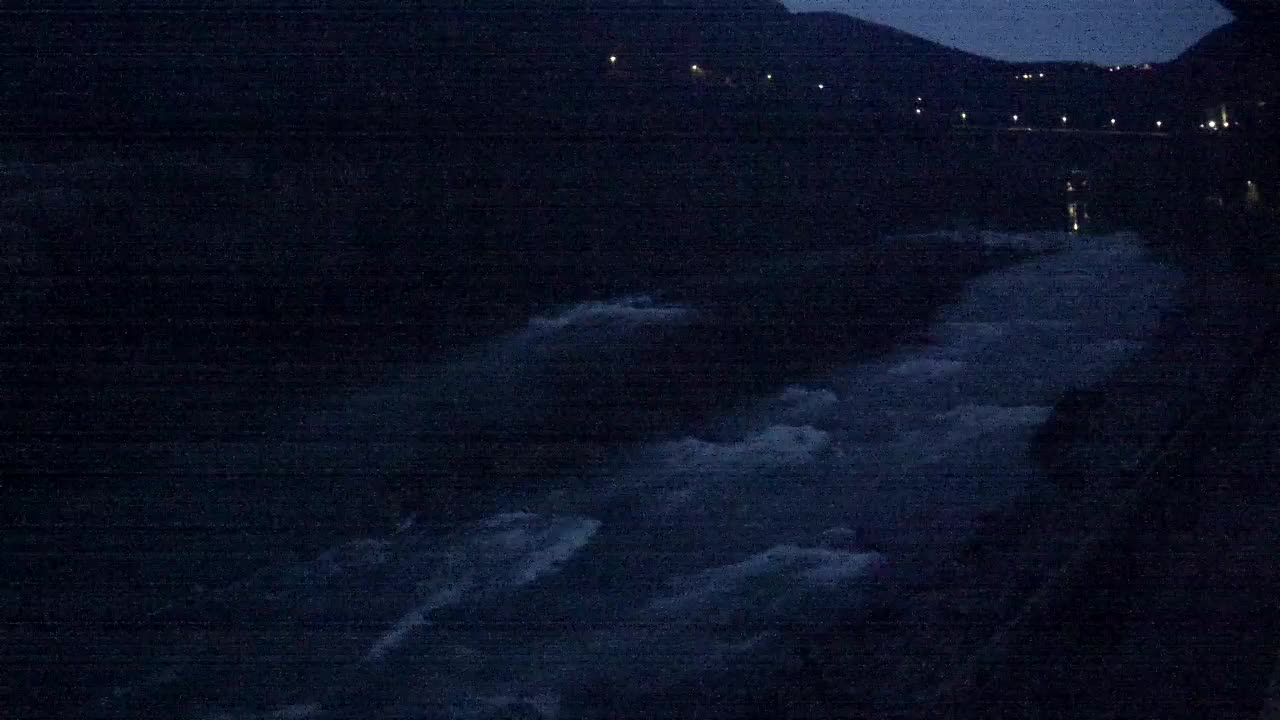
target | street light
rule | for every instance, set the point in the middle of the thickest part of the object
(694, 68)
(1064, 119)
(821, 86)
(1113, 122)
(1159, 124)
(769, 76)
(613, 58)
(918, 111)
(964, 116)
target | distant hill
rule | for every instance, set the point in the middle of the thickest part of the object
(876, 57)
(343, 62)
(1239, 61)
(1253, 10)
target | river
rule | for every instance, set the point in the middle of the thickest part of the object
(635, 557)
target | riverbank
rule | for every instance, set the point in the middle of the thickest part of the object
(1169, 610)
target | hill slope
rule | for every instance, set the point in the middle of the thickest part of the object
(338, 62)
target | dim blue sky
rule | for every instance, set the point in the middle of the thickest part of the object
(1101, 31)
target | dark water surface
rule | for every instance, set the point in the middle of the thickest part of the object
(176, 476)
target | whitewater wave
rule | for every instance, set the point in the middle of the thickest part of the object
(927, 368)
(775, 571)
(494, 556)
(803, 404)
(968, 421)
(1036, 242)
(352, 556)
(296, 711)
(635, 310)
(775, 446)
(416, 618)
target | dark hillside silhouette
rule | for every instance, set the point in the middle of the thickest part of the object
(343, 65)
(1253, 10)
(1235, 62)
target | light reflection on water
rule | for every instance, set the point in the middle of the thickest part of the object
(1077, 215)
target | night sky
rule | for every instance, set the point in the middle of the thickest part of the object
(1100, 31)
